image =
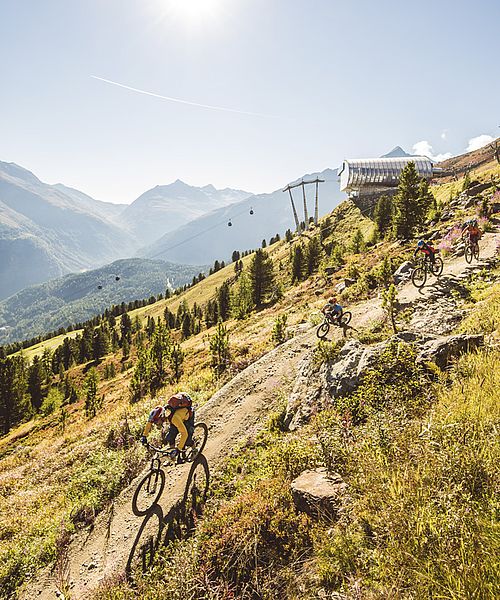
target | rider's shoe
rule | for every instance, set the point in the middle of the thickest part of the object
(181, 457)
(173, 454)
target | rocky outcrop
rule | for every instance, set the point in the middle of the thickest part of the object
(315, 388)
(442, 350)
(317, 493)
(403, 273)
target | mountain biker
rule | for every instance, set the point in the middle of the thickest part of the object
(332, 310)
(472, 231)
(179, 414)
(426, 249)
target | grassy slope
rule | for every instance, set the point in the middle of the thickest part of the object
(35, 490)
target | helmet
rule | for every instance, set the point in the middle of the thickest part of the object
(420, 243)
(473, 222)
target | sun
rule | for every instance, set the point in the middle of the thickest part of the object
(193, 9)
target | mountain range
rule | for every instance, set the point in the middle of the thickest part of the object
(47, 231)
(258, 217)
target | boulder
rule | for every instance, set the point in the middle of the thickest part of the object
(441, 350)
(317, 493)
(341, 375)
(477, 188)
(403, 272)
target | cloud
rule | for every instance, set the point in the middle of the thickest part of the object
(479, 141)
(423, 148)
(180, 100)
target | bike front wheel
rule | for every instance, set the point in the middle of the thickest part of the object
(419, 277)
(323, 330)
(475, 251)
(148, 492)
(437, 266)
(468, 254)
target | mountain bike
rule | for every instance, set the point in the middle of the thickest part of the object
(151, 486)
(329, 319)
(471, 249)
(425, 266)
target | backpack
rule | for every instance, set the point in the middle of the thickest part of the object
(180, 400)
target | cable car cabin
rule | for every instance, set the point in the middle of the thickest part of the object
(251, 211)
(229, 224)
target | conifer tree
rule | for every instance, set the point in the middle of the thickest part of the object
(159, 351)
(382, 214)
(35, 382)
(298, 263)
(219, 348)
(13, 405)
(358, 242)
(126, 328)
(241, 298)
(410, 203)
(224, 301)
(176, 359)
(314, 251)
(92, 401)
(261, 274)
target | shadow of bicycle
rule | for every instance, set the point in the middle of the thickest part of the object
(158, 529)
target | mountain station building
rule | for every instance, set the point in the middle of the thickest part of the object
(366, 179)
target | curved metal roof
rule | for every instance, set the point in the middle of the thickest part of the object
(359, 172)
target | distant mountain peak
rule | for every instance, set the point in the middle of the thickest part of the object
(396, 152)
(13, 170)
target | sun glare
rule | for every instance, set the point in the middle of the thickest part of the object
(193, 9)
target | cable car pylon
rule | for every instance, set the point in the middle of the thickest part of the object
(302, 184)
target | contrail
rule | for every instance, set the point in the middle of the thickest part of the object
(180, 101)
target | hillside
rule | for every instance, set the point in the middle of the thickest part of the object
(209, 238)
(78, 297)
(412, 439)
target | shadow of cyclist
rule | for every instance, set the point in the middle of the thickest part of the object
(158, 529)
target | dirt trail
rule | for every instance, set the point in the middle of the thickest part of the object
(231, 414)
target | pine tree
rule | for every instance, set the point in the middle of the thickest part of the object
(159, 351)
(261, 274)
(264, 243)
(35, 382)
(224, 301)
(126, 328)
(241, 298)
(410, 203)
(382, 214)
(288, 235)
(92, 402)
(314, 251)
(13, 404)
(298, 263)
(389, 304)
(139, 384)
(219, 348)
(358, 242)
(176, 359)
(235, 256)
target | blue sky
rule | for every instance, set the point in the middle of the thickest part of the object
(328, 80)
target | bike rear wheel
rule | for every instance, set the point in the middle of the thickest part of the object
(345, 319)
(419, 277)
(148, 492)
(323, 330)
(468, 253)
(437, 266)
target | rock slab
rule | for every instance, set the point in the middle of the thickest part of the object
(317, 493)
